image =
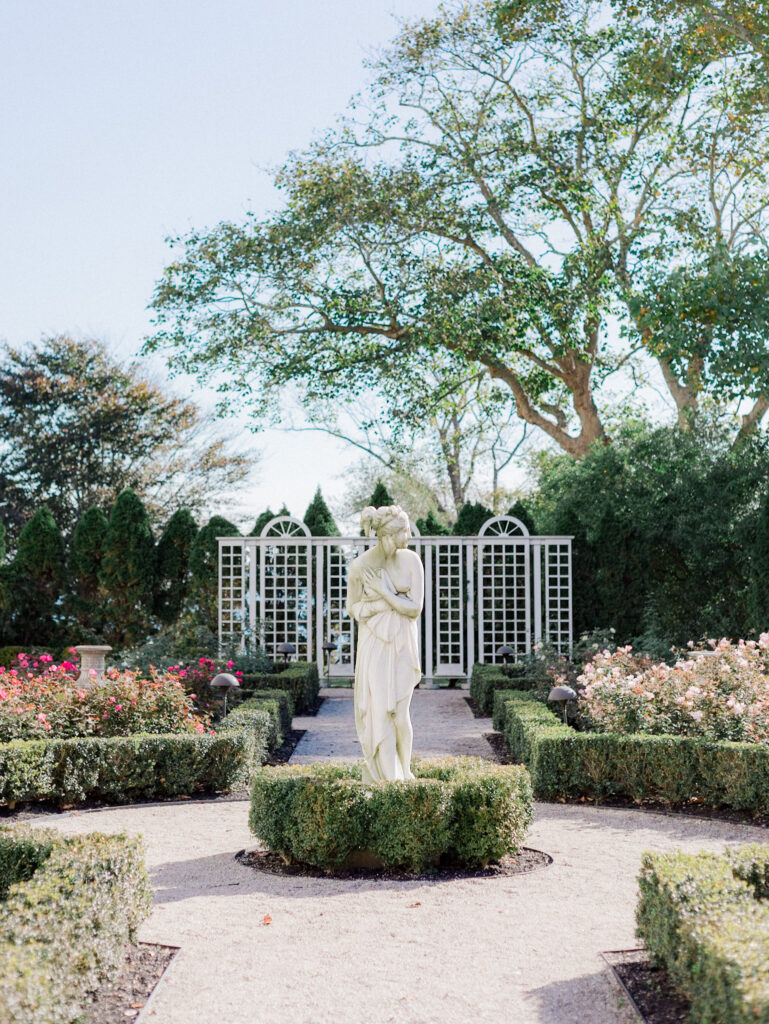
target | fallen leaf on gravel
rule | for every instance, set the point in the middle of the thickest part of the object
(266, 919)
(412, 905)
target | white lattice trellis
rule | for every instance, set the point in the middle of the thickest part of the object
(502, 587)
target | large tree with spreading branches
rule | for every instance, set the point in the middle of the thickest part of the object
(520, 179)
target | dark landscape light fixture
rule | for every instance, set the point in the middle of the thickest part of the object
(328, 649)
(505, 653)
(562, 695)
(224, 682)
(285, 649)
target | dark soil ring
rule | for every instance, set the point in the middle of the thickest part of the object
(526, 860)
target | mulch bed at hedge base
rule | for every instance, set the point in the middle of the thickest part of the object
(526, 860)
(287, 747)
(124, 998)
(648, 986)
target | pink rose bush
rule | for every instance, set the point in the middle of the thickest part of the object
(44, 702)
(723, 695)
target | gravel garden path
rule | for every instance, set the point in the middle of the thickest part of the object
(259, 948)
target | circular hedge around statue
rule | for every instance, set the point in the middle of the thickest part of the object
(460, 811)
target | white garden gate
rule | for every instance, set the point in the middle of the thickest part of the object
(501, 588)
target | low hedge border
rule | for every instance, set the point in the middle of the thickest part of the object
(566, 764)
(249, 714)
(300, 679)
(270, 700)
(71, 907)
(486, 680)
(705, 918)
(465, 811)
(123, 768)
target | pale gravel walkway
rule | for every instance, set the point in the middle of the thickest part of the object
(520, 949)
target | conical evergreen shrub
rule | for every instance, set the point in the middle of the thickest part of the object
(36, 580)
(173, 565)
(128, 571)
(86, 553)
(430, 526)
(381, 496)
(261, 522)
(204, 570)
(471, 518)
(520, 511)
(318, 518)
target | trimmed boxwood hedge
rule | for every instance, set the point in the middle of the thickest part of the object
(569, 764)
(273, 701)
(300, 679)
(486, 680)
(70, 908)
(705, 918)
(123, 768)
(465, 811)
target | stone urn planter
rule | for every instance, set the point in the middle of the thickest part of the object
(91, 657)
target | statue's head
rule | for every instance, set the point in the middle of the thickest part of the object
(390, 523)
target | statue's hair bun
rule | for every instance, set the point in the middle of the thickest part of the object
(373, 519)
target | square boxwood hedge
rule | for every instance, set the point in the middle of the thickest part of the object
(568, 764)
(123, 768)
(69, 908)
(465, 810)
(299, 678)
(271, 700)
(486, 680)
(705, 918)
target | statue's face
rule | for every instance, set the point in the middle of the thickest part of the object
(399, 539)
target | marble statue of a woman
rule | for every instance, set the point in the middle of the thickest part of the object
(385, 594)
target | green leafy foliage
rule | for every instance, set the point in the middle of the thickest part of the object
(204, 570)
(36, 579)
(471, 518)
(173, 565)
(86, 552)
(380, 497)
(89, 894)
(261, 521)
(663, 524)
(700, 918)
(318, 518)
(78, 428)
(460, 810)
(431, 526)
(128, 570)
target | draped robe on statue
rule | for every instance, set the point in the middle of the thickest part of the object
(387, 668)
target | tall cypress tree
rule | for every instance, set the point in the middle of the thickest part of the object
(261, 521)
(318, 518)
(37, 580)
(173, 565)
(128, 570)
(381, 496)
(520, 511)
(471, 518)
(430, 526)
(86, 553)
(204, 569)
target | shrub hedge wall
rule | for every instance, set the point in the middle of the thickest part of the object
(71, 907)
(705, 917)
(463, 810)
(120, 769)
(270, 699)
(486, 680)
(300, 679)
(569, 764)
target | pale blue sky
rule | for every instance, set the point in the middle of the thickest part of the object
(124, 121)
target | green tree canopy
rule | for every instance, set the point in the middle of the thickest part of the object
(471, 518)
(516, 186)
(36, 579)
(261, 521)
(78, 428)
(431, 526)
(86, 553)
(173, 565)
(128, 571)
(318, 518)
(204, 570)
(380, 496)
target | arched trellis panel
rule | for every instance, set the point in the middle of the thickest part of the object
(501, 588)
